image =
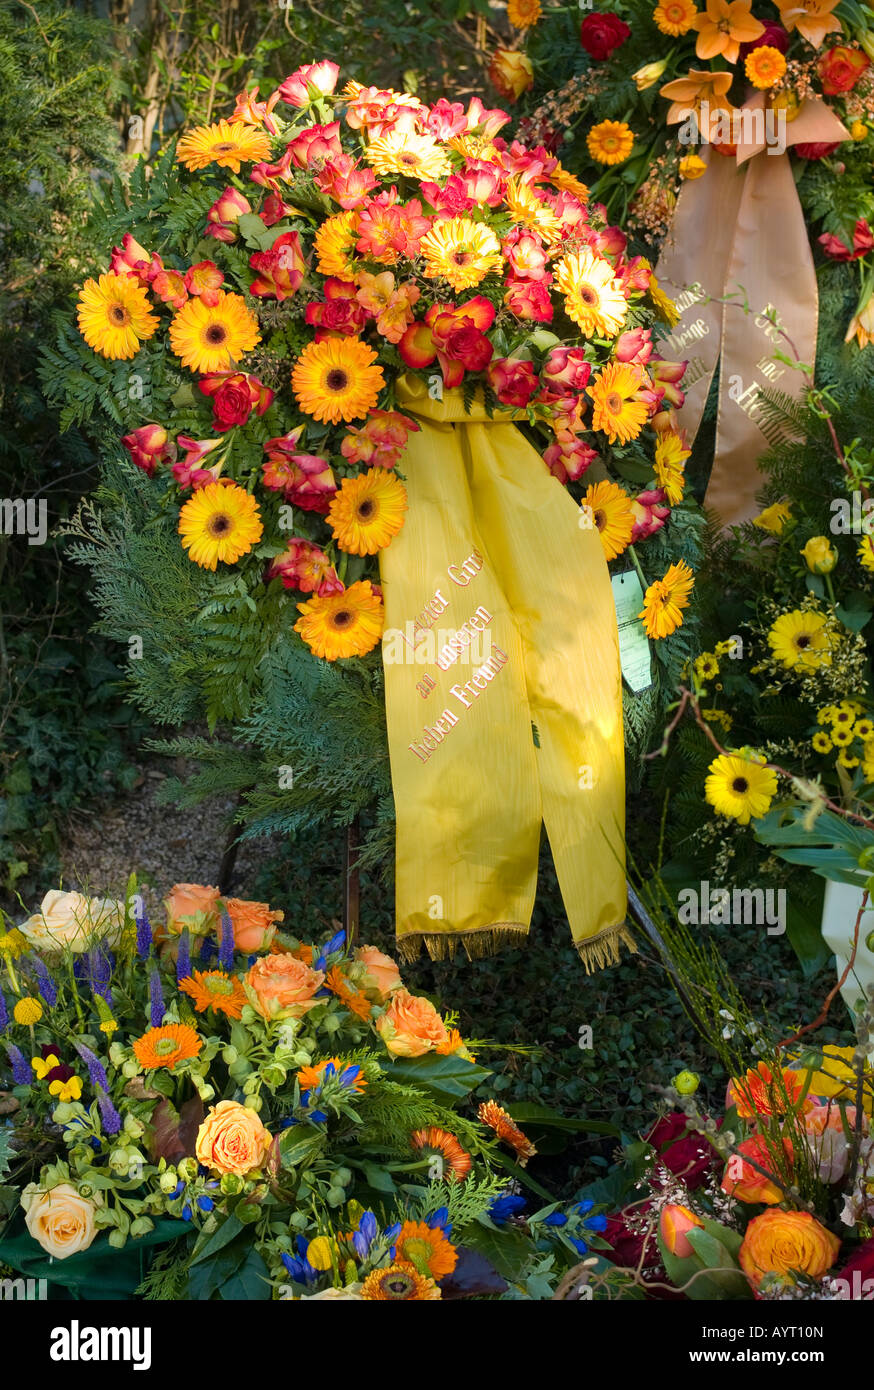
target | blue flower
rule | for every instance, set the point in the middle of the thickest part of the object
(439, 1221)
(22, 1074)
(226, 945)
(505, 1206)
(583, 1208)
(366, 1234)
(205, 1203)
(319, 1117)
(336, 943)
(144, 935)
(556, 1218)
(156, 1000)
(109, 1116)
(183, 960)
(45, 983)
(186, 1212)
(4, 1014)
(579, 1245)
(596, 1223)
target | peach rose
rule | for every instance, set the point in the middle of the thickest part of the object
(744, 1181)
(375, 974)
(254, 924)
(71, 919)
(193, 906)
(283, 987)
(411, 1026)
(779, 1242)
(61, 1220)
(232, 1139)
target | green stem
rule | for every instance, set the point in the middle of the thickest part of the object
(640, 574)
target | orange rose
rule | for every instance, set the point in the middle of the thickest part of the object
(840, 69)
(746, 1183)
(193, 906)
(674, 1223)
(232, 1139)
(411, 1026)
(375, 974)
(511, 73)
(282, 987)
(254, 924)
(781, 1242)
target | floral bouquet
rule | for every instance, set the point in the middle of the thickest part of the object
(637, 123)
(282, 271)
(282, 1116)
(770, 1200)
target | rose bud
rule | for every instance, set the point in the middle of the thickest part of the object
(308, 82)
(650, 511)
(224, 215)
(674, 1223)
(566, 371)
(148, 446)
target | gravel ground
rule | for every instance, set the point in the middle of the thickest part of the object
(163, 844)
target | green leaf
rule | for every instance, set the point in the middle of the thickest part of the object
(296, 1147)
(527, 1112)
(451, 1076)
(226, 1232)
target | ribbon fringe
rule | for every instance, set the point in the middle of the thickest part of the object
(604, 949)
(484, 941)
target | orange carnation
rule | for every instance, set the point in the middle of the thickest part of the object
(282, 987)
(411, 1026)
(785, 1243)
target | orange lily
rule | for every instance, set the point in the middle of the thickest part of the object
(812, 18)
(723, 26)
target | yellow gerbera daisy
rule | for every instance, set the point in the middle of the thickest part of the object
(670, 462)
(334, 245)
(740, 787)
(115, 316)
(338, 625)
(615, 411)
(593, 295)
(219, 522)
(765, 66)
(610, 510)
(337, 379)
(664, 601)
(212, 337)
(865, 553)
(226, 143)
(461, 251)
(530, 211)
(675, 17)
(610, 142)
(368, 511)
(405, 152)
(522, 14)
(400, 1282)
(801, 640)
(473, 146)
(664, 306)
(773, 519)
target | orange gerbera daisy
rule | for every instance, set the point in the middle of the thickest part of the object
(310, 1078)
(215, 989)
(615, 409)
(496, 1117)
(400, 1282)
(167, 1045)
(761, 1092)
(440, 1141)
(356, 1002)
(426, 1248)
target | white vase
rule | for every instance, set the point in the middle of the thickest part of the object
(839, 911)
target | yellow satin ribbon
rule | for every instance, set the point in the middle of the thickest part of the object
(492, 550)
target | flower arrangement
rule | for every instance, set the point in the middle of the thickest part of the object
(767, 1200)
(284, 1116)
(718, 56)
(300, 257)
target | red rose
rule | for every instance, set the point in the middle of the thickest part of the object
(234, 396)
(600, 34)
(840, 69)
(817, 149)
(340, 311)
(513, 381)
(775, 36)
(687, 1156)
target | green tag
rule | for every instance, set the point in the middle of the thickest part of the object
(633, 642)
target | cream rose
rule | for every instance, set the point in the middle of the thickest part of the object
(71, 919)
(232, 1139)
(60, 1220)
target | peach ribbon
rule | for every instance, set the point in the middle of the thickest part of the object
(739, 231)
